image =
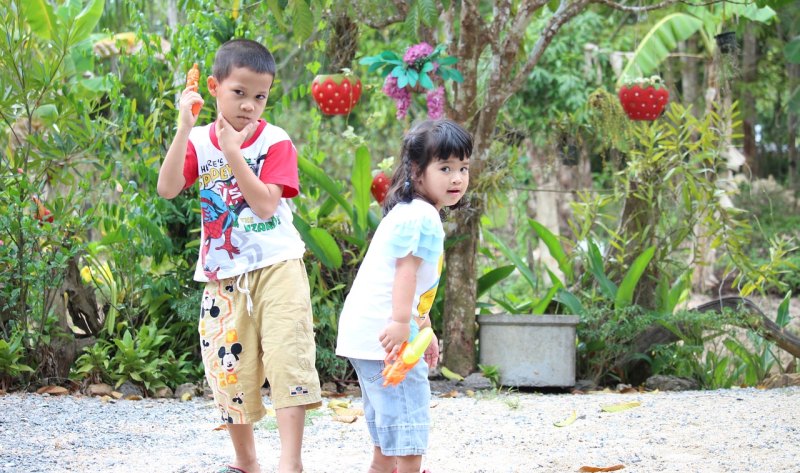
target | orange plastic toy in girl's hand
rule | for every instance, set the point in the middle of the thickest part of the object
(193, 80)
(407, 357)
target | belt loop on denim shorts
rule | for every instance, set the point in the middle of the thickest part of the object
(246, 291)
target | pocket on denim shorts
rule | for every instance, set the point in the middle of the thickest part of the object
(369, 371)
(371, 378)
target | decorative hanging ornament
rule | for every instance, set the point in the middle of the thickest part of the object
(336, 94)
(644, 98)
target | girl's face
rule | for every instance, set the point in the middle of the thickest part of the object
(444, 182)
(242, 96)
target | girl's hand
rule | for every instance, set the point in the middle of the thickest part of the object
(229, 139)
(393, 336)
(189, 97)
(432, 353)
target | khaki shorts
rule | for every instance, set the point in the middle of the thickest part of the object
(273, 339)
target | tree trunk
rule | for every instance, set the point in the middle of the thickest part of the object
(793, 123)
(690, 75)
(703, 255)
(460, 295)
(749, 114)
(543, 203)
(73, 305)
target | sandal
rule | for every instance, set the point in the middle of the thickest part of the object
(231, 469)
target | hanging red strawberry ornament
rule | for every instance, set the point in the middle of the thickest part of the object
(644, 98)
(381, 180)
(336, 94)
(380, 186)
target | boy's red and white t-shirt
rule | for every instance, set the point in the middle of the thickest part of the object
(233, 239)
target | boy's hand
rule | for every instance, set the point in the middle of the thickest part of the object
(393, 336)
(432, 353)
(230, 139)
(189, 97)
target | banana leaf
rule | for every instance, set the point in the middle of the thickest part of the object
(658, 43)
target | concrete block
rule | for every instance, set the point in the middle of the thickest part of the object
(529, 350)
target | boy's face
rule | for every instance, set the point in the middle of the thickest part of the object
(242, 96)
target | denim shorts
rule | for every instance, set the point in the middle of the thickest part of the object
(397, 417)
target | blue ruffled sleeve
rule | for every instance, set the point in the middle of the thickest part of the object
(419, 233)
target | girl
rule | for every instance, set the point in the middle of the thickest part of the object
(395, 288)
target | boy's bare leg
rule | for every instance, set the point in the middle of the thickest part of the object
(291, 421)
(409, 464)
(381, 463)
(244, 444)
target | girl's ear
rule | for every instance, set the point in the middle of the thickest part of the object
(212, 84)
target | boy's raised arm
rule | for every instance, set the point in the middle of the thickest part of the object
(170, 176)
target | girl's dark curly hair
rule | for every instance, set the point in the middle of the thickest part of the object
(426, 141)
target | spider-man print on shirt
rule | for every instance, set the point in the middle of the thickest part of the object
(220, 208)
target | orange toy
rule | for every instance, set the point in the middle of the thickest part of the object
(407, 357)
(193, 80)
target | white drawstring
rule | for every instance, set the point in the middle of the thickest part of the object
(246, 291)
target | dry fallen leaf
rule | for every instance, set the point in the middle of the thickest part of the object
(469, 393)
(332, 394)
(338, 403)
(570, 419)
(591, 469)
(117, 395)
(52, 390)
(105, 399)
(452, 393)
(187, 396)
(221, 427)
(345, 419)
(348, 411)
(623, 406)
(133, 397)
(629, 390)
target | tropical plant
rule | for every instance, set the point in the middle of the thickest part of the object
(492, 373)
(53, 132)
(413, 72)
(12, 354)
(706, 21)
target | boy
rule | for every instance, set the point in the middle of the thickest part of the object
(255, 318)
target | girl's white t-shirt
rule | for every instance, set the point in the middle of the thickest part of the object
(414, 228)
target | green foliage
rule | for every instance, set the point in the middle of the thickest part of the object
(560, 86)
(605, 337)
(776, 230)
(94, 364)
(326, 328)
(12, 354)
(144, 361)
(713, 353)
(659, 41)
(53, 132)
(492, 373)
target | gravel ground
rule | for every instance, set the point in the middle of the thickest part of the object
(737, 430)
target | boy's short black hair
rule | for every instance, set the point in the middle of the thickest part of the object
(242, 53)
